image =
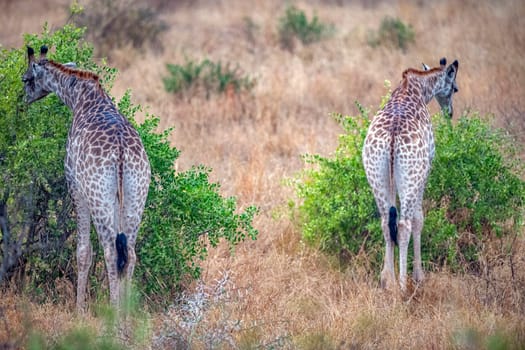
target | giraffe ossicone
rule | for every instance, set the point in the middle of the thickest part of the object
(397, 157)
(106, 168)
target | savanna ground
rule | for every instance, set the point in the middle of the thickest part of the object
(283, 292)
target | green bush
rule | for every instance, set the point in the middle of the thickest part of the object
(474, 193)
(36, 209)
(294, 24)
(393, 31)
(337, 206)
(208, 75)
(184, 214)
(475, 185)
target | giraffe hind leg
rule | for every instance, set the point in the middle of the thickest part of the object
(405, 227)
(417, 226)
(104, 222)
(84, 254)
(389, 229)
(379, 179)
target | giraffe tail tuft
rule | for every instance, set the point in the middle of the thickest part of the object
(121, 244)
(392, 224)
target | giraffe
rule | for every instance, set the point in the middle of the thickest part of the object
(106, 168)
(397, 157)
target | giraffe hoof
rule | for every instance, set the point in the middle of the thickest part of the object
(387, 280)
(418, 276)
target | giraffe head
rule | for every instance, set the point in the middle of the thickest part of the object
(35, 76)
(447, 85)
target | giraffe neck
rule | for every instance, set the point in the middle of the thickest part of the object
(423, 85)
(73, 87)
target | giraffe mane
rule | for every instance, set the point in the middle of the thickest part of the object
(418, 72)
(81, 74)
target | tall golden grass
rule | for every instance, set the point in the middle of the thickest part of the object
(253, 141)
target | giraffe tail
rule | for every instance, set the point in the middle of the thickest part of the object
(392, 224)
(121, 244)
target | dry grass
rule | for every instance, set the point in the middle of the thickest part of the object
(254, 140)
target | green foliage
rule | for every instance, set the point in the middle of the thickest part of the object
(33, 191)
(184, 214)
(208, 75)
(474, 193)
(337, 202)
(392, 31)
(474, 184)
(295, 24)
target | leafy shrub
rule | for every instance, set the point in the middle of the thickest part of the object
(211, 76)
(474, 185)
(36, 209)
(393, 31)
(473, 194)
(184, 214)
(294, 24)
(114, 24)
(337, 202)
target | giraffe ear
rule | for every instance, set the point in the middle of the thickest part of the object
(43, 52)
(30, 54)
(453, 69)
(425, 67)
